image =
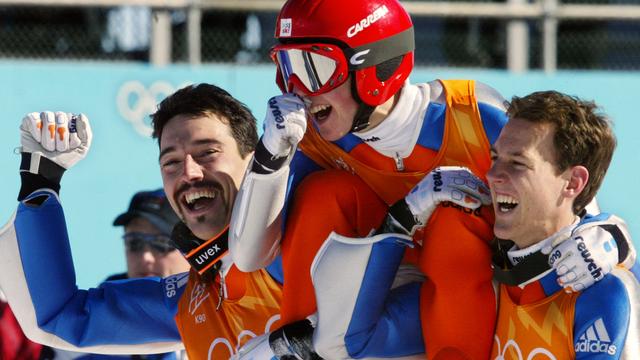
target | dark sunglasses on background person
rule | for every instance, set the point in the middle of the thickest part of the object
(160, 243)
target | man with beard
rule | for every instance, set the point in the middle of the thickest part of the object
(206, 139)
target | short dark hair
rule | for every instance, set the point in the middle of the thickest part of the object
(203, 100)
(583, 136)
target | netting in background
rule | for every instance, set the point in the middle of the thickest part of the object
(230, 36)
(123, 33)
(48, 33)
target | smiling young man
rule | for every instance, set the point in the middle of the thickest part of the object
(548, 163)
(544, 172)
(206, 139)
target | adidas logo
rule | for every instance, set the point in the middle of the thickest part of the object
(596, 340)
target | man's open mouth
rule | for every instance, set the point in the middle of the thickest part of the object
(506, 203)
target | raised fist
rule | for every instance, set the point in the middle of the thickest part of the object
(60, 137)
(284, 124)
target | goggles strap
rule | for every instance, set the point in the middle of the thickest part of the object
(203, 257)
(361, 120)
(380, 51)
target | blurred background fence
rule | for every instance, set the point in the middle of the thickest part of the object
(510, 34)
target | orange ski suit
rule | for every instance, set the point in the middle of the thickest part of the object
(458, 307)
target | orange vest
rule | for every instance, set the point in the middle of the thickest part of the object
(543, 327)
(464, 143)
(214, 328)
(451, 239)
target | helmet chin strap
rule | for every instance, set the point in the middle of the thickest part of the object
(361, 118)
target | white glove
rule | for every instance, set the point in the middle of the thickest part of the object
(586, 257)
(255, 349)
(447, 183)
(61, 137)
(284, 124)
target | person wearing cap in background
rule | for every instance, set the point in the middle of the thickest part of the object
(149, 250)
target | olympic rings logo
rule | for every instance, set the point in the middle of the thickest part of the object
(233, 352)
(135, 102)
(502, 352)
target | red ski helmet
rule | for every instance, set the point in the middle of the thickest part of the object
(322, 41)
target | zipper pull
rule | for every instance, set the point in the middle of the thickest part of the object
(219, 299)
(399, 162)
(220, 292)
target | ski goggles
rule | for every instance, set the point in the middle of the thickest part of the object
(312, 68)
(136, 242)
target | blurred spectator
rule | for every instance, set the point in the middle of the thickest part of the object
(147, 237)
(128, 31)
(250, 41)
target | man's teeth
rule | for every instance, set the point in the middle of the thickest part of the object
(191, 197)
(318, 108)
(506, 199)
(506, 203)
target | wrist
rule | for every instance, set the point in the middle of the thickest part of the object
(31, 182)
(38, 172)
(264, 162)
(399, 220)
(294, 340)
(35, 163)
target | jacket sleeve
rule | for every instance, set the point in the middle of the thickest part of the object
(607, 327)
(259, 213)
(38, 278)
